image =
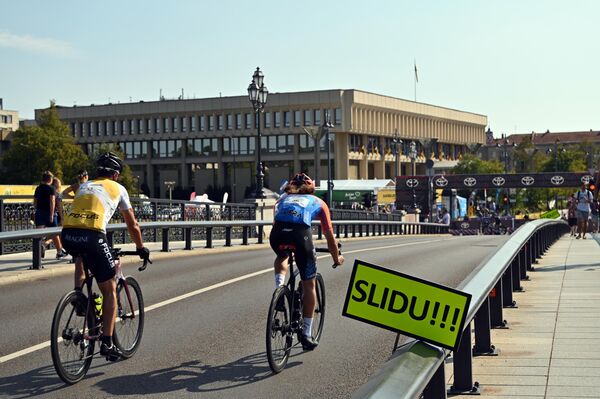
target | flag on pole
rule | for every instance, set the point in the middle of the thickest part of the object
(416, 74)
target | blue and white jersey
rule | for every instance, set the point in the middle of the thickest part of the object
(302, 209)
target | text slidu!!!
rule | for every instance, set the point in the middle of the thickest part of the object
(406, 304)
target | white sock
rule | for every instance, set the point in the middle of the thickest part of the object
(279, 280)
(308, 326)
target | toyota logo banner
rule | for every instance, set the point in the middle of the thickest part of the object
(516, 180)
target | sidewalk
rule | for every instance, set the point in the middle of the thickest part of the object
(552, 346)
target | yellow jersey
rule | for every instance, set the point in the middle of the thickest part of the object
(95, 203)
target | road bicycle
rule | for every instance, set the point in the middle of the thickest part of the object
(77, 322)
(285, 316)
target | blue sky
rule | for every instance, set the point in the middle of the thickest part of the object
(527, 65)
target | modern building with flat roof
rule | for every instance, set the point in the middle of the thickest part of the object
(9, 123)
(211, 141)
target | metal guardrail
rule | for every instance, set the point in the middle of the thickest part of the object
(417, 368)
(343, 228)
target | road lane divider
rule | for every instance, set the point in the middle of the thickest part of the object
(178, 298)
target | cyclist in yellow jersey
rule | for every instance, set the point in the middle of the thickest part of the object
(84, 235)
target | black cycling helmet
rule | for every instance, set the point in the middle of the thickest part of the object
(300, 179)
(109, 162)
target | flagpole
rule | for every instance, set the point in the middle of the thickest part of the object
(416, 78)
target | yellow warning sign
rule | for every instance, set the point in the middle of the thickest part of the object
(406, 304)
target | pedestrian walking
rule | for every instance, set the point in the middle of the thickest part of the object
(44, 201)
(584, 200)
(571, 216)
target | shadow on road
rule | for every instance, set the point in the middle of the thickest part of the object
(36, 382)
(193, 376)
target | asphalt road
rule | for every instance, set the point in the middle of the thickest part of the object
(212, 344)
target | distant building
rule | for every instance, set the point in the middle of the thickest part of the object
(9, 123)
(545, 142)
(211, 141)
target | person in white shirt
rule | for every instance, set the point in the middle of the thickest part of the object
(584, 199)
(444, 218)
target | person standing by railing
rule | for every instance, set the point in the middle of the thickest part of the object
(44, 201)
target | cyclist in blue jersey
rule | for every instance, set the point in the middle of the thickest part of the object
(294, 212)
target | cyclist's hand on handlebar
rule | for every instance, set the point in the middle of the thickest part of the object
(144, 254)
(339, 262)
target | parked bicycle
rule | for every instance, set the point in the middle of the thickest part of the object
(285, 316)
(77, 322)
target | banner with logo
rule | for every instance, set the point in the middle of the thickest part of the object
(517, 180)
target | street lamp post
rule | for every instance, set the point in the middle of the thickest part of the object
(556, 152)
(397, 144)
(326, 126)
(505, 145)
(412, 154)
(257, 93)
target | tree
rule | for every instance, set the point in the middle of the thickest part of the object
(471, 164)
(47, 146)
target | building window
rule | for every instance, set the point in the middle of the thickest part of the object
(156, 125)
(184, 120)
(106, 128)
(306, 143)
(115, 129)
(165, 128)
(73, 129)
(131, 126)
(204, 147)
(140, 126)
(229, 121)
(220, 122)
(175, 125)
(317, 119)
(148, 125)
(98, 128)
(248, 124)
(286, 118)
(193, 120)
(166, 148)
(297, 121)
(337, 116)
(277, 117)
(202, 122)
(267, 120)
(307, 119)
(354, 143)
(238, 121)
(90, 129)
(211, 122)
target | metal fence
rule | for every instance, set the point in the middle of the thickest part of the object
(417, 369)
(117, 232)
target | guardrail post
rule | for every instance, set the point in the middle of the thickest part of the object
(209, 243)
(337, 231)
(345, 231)
(496, 303)
(463, 366)
(516, 275)
(188, 238)
(228, 236)
(37, 254)
(353, 230)
(165, 240)
(530, 255)
(436, 387)
(154, 208)
(245, 235)
(483, 336)
(523, 264)
(260, 234)
(507, 296)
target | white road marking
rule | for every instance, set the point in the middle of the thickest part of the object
(46, 344)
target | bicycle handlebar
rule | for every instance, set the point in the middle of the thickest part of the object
(339, 245)
(118, 253)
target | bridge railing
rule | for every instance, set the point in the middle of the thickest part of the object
(417, 368)
(117, 233)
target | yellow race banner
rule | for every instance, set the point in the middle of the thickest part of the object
(406, 304)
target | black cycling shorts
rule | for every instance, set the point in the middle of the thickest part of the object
(298, 237)
(93, 247)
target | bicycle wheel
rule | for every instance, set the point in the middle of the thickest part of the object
(279, 331)
(129, 325)
(71, 352)
(319, 316)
